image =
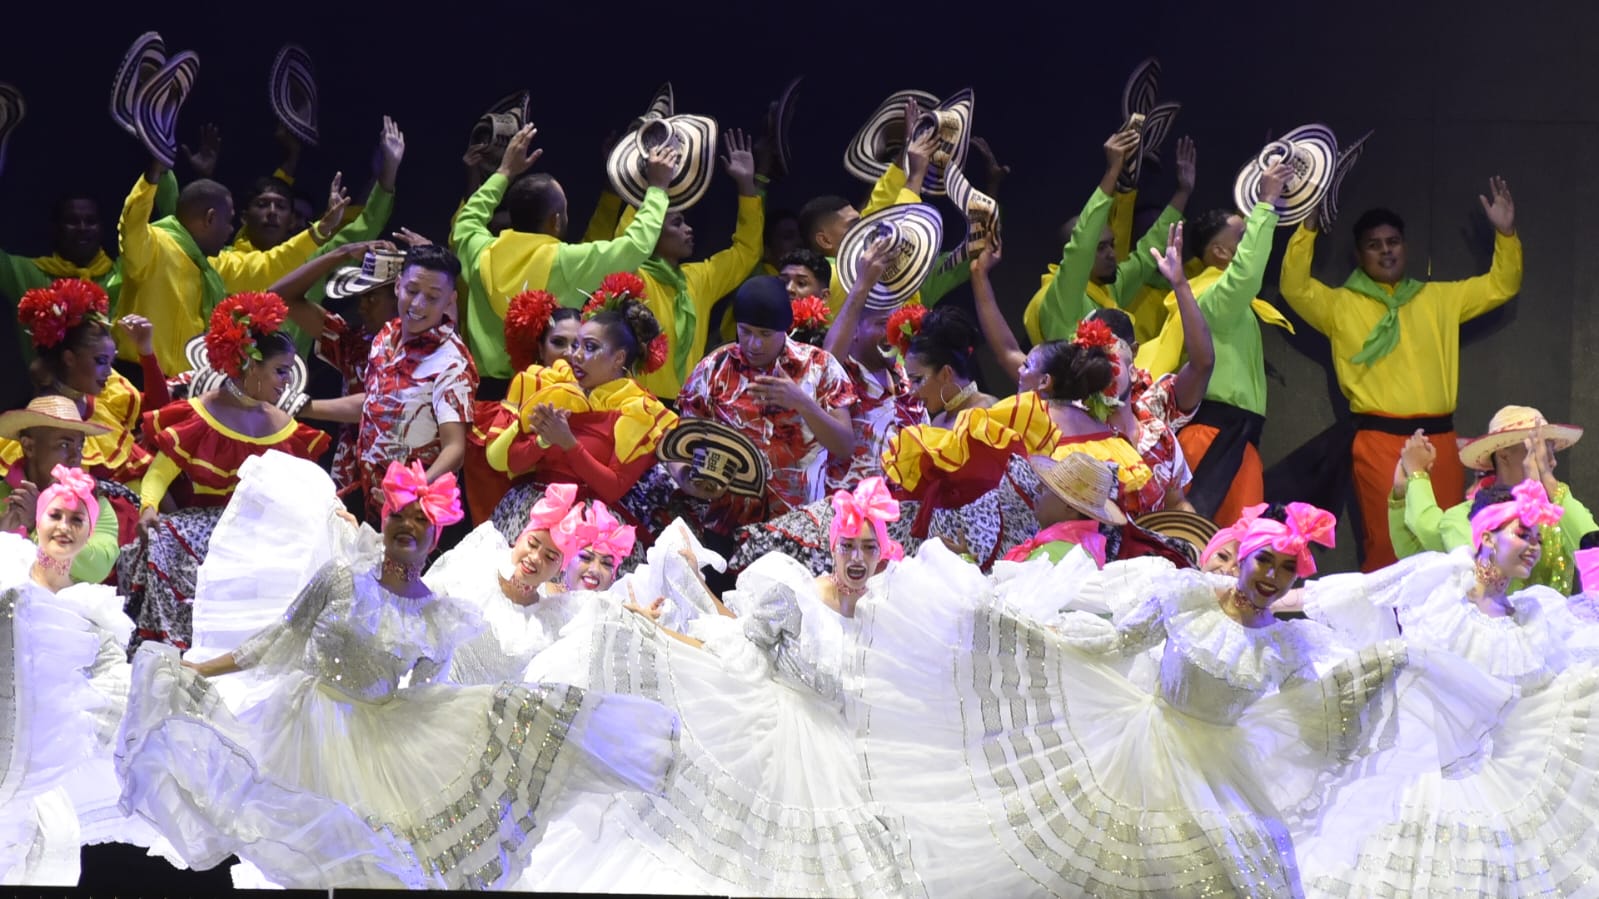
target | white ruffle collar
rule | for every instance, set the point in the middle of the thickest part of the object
(1253, 659)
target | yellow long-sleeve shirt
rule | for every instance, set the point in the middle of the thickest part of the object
(708, 281)
(1422, 374)
(161, 284)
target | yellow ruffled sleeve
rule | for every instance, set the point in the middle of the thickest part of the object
(642, 420)
(553, 384)
(1028, 415)
(1131, 470)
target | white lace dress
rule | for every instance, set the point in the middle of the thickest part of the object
(768, 798)
(1513, 814)
(330, 773)
(50, 716)
(1024, 761)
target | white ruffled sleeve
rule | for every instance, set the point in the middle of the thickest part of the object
(1142, 627)
(281, 646)
(1360, 607)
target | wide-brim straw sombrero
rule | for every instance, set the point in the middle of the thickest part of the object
(717, 453)
(695, 139)
(205, 378)
(1347, 157)
(1190, 527)
(663, 105)
(160, 99)
(48, 412)
(1082, 482)
(1312, 151)
(917, 231)
(291, 87)
(880, 142)
(377, 268)
(147, 55)
(12, 111)
(1510, 426)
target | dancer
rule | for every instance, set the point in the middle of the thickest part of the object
(1086, 782)
(343, 778)
(768, 798)
(1513, 812)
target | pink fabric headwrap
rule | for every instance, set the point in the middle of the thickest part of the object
(871, 502)
(69, 482)
(1084, 533)
(1232, 532)
(404, 485)
(1530, 504)
(554, 513)
(1306, 524)
(600, 531)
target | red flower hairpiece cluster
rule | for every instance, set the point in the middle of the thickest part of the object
(1095, 333)
(229, 344)
(655, 354)
(526, 320)
(615, 289)
(904, 325)
(48, 313)
(811, 313)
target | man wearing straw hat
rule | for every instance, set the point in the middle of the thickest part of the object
(1396, 347)
(1077, 501)
(1519, 446)
(51, 433)
(532, 254)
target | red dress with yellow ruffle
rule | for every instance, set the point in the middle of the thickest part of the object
(113, 456)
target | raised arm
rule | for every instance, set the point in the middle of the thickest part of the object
(868, 271)
(1240, 283)
(1138, 270)
(1001, 339)
(1308, 297)
(1064, 303)
(1503, 280)
(724, 271)
(1194, 377)
(583, 265)
(470, 233)
(306, 315)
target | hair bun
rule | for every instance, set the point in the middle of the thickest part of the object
(641, 321)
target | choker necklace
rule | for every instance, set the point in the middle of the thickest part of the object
(1493, 580)
(237, 393)
(49, 565)
(400, 570)
(961, 397)
(514, 586)
(68, 392)
(845, 591)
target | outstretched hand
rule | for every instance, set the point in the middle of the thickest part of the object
(519, 153)
(1170, 261)
(1501, 210)
(204, 160)
(739, 162)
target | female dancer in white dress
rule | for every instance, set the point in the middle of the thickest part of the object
(768, 798)
(1516, 813)
(341, 776)
(64, 661)
(1024, 762)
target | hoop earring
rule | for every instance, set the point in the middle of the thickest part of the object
(941, 401)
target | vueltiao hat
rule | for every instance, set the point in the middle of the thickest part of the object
(204, 378)
(695, 138)
(1190, 527)
(1082, 482)
(291, 87)
(377, 268)
(143, 59)
(779, 117)
(48, 412)
(881, 141)
(717, 453)
(12, 111)
(663, 105)
(148, 92)
(917, 231)
(1142, 111)
(1347, 157)
(1509, 426)
(495, 127)
(1312, 152)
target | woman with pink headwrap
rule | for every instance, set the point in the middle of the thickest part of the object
(361, 766)
(514, 587)
(63, 654)
(768, 797)
(602, 543)
(1514, 812)
(1026, 761)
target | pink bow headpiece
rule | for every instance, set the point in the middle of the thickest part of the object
(554, 513)
(69, 482)
(1530, 503)
(407, 484)
(1232, 532)
(1587, 569)
(1306, 524)
(600, 531)
(871, 502)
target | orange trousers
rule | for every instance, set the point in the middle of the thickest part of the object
(1249, 484)
(1374, 455)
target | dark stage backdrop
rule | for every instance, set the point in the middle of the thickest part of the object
(1456, 91)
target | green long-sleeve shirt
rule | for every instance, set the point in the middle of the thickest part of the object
(498, 268)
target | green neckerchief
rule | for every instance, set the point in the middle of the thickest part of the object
(212, 290)
(1383, 338)
(684, 315)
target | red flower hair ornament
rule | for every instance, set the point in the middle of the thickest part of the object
(48, 313)
(615, 289)
(229, 343)
(904, 325)
(526, 320)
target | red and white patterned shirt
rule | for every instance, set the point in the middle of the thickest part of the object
(718, 389)
(880, 411)
(346, 349)
(1159, 417)
(412, 387)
